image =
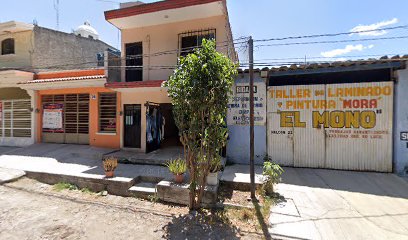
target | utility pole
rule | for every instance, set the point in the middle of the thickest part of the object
(251, 116)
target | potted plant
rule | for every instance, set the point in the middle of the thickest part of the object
(215, 167)
(178, 167)
(109, 165)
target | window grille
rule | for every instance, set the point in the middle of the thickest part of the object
(188, 41)
(107, 112)
(15, 118)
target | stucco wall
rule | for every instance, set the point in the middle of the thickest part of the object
(58, 50)
(238, 147)
(165, 38)
(401, 123)
(23, 47)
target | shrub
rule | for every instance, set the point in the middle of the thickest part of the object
(272, 173)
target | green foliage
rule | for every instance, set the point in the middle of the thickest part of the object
(272, 173)
(87, 190)
(177, 166)
(64, 186)
(72, 187)
(215, 165)
(153, 198)
(199, 89)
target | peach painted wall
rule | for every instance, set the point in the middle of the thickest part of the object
(164, 37)
(95, 138)
(141, 96)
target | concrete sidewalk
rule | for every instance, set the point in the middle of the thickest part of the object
(73, 160)
(10, 175)
(328, 204)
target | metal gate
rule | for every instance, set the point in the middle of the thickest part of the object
(75, 119)
(15, 119)
(339, 126)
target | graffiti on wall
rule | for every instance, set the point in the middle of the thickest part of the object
(238, 106)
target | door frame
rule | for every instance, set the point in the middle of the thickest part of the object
(139, 145)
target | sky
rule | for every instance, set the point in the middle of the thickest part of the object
(261, 19)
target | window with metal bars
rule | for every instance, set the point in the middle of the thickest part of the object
(15, 118)
(107, 112)
(188, 41)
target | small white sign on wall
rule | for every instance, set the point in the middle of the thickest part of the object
(238, 106)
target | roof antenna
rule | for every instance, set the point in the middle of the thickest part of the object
(56, 8)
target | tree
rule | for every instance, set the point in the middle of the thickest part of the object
(199, 89)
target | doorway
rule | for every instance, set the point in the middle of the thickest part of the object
(132, 125)
(134, 52)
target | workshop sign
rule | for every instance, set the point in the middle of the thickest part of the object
(238, 107)
(334, 106)
(341, 126)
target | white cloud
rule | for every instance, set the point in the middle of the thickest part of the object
(373, 27)
(347, 49)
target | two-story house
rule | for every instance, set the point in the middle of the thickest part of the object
(35, 64)
(154, 35)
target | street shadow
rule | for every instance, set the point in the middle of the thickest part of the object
(200, 226)
(225, 191)
(261, 220)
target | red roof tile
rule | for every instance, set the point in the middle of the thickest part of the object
(48, 80)
(142, 84)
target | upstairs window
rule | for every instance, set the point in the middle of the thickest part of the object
(134, 62)
(7, 46)
(188, 41)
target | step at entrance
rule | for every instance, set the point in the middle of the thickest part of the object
(144, 187)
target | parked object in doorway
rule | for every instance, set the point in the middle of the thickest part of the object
(109, 165)
(178, 167)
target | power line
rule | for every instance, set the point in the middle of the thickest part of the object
(268, 64)
(108, 1)
(333, 41)
(330, 34)
(320, 57)
(176, 51)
